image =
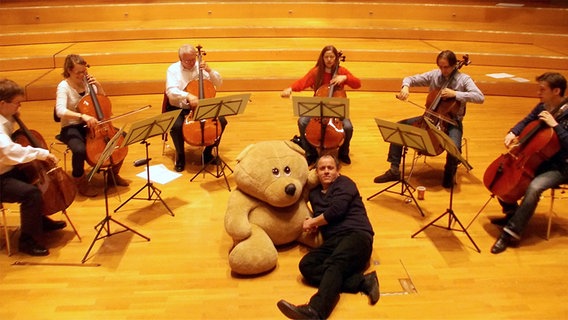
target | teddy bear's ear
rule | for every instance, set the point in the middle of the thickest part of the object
(244, 152)
(295, 147)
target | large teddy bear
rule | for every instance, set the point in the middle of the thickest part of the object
(268, 207)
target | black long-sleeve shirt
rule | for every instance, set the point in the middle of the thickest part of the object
(342, 208)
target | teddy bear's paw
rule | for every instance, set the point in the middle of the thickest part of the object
(253, 256)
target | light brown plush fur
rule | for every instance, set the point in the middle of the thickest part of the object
(268, 207)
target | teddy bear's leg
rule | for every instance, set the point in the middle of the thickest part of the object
(253, 255)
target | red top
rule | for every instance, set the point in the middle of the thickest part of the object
(309, 79)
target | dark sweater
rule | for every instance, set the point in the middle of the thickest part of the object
(342, 208)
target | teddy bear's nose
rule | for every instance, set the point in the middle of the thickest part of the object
(290, 189)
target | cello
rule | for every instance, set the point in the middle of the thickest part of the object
(440, 111)
(99, 106)
(57, 188)
(205, 132)
(509, 176)
(327, 132)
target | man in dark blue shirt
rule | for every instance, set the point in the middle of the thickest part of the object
(552, 111)
(338, 265)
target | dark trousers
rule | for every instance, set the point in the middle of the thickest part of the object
(454, 132)
(74, 136)
(176, 132)
(336, 266)
(14, 189)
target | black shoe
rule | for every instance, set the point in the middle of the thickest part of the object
(50, 225)
(297, 312)
(505, 240)
(501, 221)
(387, 176)
(296, 139)
(371, 287)
(311, 159)
(344, 158)
(31, 247)
(208, 158)
(180, 166)
(448, 180)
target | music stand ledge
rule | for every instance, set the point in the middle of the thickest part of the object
(105, 222)
(141, 131)
(213, 108)
(406, 136)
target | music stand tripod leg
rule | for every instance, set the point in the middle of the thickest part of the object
(105, 222)
(451, 217)
(148, 186)
(219, 164)
(405, 188)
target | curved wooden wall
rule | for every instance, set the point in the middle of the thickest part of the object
(265, 45)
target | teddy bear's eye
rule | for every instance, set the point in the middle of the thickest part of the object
(276, 172)
(287, 170)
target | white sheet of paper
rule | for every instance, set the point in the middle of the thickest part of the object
(519, 79)
(499, 75)
(160, 174)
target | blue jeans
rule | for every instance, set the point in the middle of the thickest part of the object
(311, 150)
(454, 132)
(525, 211)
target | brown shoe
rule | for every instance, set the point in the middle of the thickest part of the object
(85, 188)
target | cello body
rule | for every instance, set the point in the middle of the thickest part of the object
(56, 186)
(509, 176)
(325, 132)
(440, 111)
(99, 106)
(205, 132)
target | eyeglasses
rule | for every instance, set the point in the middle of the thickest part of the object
(17, 104)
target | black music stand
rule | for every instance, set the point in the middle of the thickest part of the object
(451, 148)
(408, 137)
(213, 108)
(140, 132)
(331, 107)
(105, 222)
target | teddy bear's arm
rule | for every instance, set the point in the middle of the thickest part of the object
(237, 222)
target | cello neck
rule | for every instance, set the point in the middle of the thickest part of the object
(199, 61)
(340, 57)
(29, 135)
(96, 104)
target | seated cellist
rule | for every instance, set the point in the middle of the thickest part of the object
(76, 125)
(554, 171)
(322, 75)
(178, 76)
(13, 185)
(461, 87)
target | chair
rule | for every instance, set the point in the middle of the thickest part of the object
(558, 192)
(57, 145)
(165, 135)
(417, 155)
(5, 226)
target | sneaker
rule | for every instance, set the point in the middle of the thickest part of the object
(387, 176)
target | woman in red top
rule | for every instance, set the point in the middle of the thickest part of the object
(322, 74)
